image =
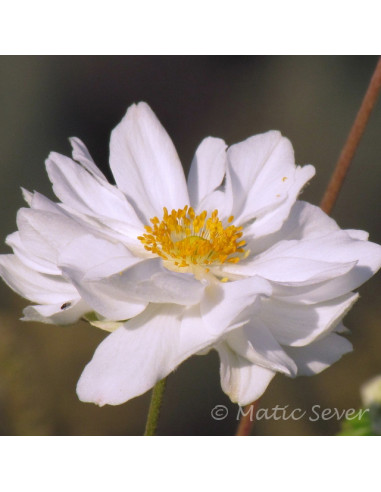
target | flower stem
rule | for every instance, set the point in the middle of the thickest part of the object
(247, 420)
(154, 408)
(353, 140)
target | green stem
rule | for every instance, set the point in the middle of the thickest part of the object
(154, 408)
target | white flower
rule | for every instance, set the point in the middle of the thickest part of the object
(228, 260)
(371, 391)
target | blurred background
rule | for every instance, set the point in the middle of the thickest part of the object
(311, 100)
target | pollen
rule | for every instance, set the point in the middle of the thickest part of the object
(187, 239)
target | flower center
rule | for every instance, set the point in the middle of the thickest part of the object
(187, 239)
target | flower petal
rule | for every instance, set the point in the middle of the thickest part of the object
(145, 164)
(273, 216)
(88, 194)
(334, 247)
(207, 169)
(265, 181)
(147, 348)
(305, 221)
(95, 257)
(37, 287)
(37, 263)
(290, 271)
(226, 304)
(255, 342)
(314, 269)
(87, 258)
(44, 233)
(133, 358)
(319, 355)
(298, 325)
(149, 281)
(243, 381)
(97, 225)
(82, 155)
(58, 314)
(103, 270)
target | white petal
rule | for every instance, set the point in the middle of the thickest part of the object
(293, 267)
(334, 247)
(97, 225)
(136, 356)
(289, 271)
(295, 271)
(133, 358)
(58, 314)
(298, 325)
(356, 234)
(82, 155)
(120, 231)
(145, 163)
(37, 287)
(149, 281)
(243, 381)
(226, 304)
(26, 256)
(217, 200)
(340, 328)
(265, 181)
(27, 195)
(107, 302)
(79, 189)
(255, 342)
(305, 221)
(248, 158)
(272, 220)
(44, 234)
(96, 257)
(89, 258)
(103, 271)
(207, 169)
(339, 247)
(319, 355)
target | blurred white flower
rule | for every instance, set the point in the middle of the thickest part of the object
(371, 392)
(228, 260)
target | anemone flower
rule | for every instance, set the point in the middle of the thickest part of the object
(228, 259)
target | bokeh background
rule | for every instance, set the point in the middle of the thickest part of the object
(312, 100)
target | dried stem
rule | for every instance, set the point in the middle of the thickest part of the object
(247, 420)
(353, 140)
(154, 408)
(332, 192)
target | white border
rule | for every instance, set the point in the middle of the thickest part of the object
(182, 464)
(190, 27)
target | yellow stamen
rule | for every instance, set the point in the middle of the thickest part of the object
(187, 239)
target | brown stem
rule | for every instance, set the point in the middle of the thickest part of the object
(353, 140)
(332, 192)
(247, 420)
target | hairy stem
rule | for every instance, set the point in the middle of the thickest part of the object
(154, 408)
